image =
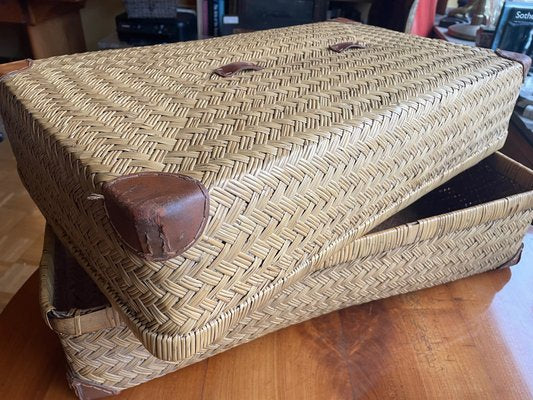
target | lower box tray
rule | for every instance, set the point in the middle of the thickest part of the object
(473, 223)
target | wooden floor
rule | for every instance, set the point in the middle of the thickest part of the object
(21, 229)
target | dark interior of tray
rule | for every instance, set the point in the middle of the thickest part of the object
(480, 184)
(73, 288)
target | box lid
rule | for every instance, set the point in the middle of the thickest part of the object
(310, 137)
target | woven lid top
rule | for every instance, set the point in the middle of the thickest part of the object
(298, 155)
(162, 108)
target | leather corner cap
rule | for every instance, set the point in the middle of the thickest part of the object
(523, 59)
(89, 390)
(11, 68)
(158, 215)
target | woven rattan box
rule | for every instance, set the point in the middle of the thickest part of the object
(197, 181)
(485, 213)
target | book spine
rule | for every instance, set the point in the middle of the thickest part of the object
(501, 26)
(205, 18)
(220, 15)
(216, 18)
(210, 6)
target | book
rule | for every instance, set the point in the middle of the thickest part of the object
(514, 31)
(214, 17)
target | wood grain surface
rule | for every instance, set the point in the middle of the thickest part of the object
(21, 228)
(471, 339)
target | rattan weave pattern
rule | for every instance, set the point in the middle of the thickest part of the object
(116, 358)
(299, 158)
(398, 260)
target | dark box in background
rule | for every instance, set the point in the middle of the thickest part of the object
(146, 31)
(259, 15)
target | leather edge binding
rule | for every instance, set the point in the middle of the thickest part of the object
(523, 59)
(8, 70)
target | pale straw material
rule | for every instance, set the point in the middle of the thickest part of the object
(299, 158)
(493, 205)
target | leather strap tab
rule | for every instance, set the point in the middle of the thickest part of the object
(10, 69)
(158, 215)
(231, 69)
(523, 59)
(80, 324)
(340, 47)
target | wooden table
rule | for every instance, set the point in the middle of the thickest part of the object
(471, 339)
(442, 33)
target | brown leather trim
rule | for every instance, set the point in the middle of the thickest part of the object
(340, 47)
(514, 260)
(231, 69)
(10, 69)
(88, 390)
(523, 59)
(158, 215)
